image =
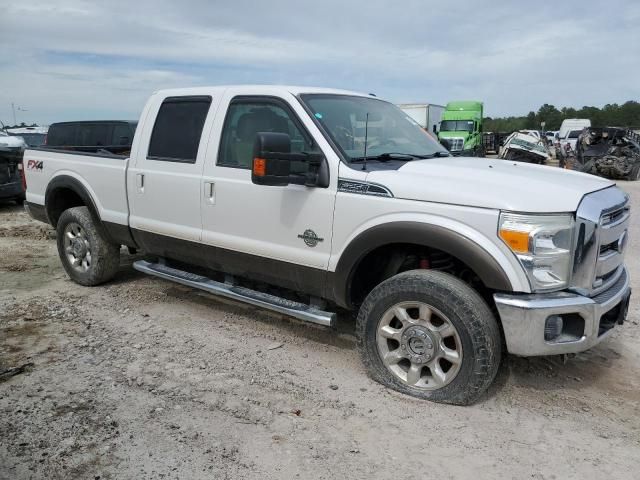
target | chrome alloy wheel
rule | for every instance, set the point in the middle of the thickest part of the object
(419, 345)
(77, 247)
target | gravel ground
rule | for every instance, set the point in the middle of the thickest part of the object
(141, 378)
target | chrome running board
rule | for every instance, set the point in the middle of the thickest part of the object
(297, 310)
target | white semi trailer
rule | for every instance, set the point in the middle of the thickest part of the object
(427, 115)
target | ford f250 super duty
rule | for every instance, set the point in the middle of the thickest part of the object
(312, 201)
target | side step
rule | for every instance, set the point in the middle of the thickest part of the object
(235, 292)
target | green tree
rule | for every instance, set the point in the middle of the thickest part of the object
(611, 115)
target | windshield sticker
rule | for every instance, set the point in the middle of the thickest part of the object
(318, 116)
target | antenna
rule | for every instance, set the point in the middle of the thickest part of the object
(366, 134)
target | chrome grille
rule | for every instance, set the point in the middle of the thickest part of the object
(613, 291)
(613, 237)
(602, 223)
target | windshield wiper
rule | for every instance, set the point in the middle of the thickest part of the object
(437, 154)
(385, 157)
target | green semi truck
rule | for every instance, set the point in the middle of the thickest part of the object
(461, 128)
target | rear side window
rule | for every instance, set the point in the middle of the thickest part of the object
(178, 128)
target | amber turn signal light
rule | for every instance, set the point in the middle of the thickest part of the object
(517, 241)
(259, 167)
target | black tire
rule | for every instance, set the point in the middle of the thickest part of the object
(635, 172)
(477, 329)
(104, 255)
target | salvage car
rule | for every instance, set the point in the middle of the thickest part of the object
(32, 136)
(11, 175)
(284, 198)
(524, 146)
(609, 152)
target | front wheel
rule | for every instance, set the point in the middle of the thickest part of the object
(428, 334)
(88, 257)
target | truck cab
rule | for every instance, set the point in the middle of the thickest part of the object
(461, 128)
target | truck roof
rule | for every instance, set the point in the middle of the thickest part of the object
(93, 122)
(251, 89)
(464, 105)
(419, 105)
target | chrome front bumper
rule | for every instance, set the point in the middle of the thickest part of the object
(524, 317)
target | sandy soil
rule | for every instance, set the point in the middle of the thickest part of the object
(141, 379)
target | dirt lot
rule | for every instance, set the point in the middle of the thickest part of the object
(141, 378)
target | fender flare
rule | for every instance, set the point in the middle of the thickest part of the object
(464, 249)
(119, 234)
(76, 186)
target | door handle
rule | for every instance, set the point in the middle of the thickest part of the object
(140, 182)
(210, 192)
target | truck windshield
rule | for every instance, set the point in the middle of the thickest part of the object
(391, 133)
(457, 126)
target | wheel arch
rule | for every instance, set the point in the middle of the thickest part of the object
(64, 192)
(431, 236)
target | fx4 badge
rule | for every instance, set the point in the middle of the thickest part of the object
(34, 165)
(310, 238)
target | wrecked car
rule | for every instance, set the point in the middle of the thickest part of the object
(11, 184)
(524, 147)
(609, 152)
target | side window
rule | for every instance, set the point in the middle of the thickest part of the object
(245, 119)
(178, 128)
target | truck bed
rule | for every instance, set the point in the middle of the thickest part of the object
(102, 175)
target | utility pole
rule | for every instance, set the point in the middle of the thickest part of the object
(13, 108)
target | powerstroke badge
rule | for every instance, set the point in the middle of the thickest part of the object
(310, 238)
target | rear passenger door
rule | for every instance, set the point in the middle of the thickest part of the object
(164, 182)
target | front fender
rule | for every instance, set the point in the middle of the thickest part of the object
(495, 272)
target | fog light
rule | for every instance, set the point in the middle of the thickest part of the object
(552, 327)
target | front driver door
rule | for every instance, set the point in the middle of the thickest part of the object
(280, 235)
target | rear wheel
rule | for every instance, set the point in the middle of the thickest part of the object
(429, 335)
(88, 257)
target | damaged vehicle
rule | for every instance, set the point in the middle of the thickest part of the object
(525, 147)
(11, 175)
(609, 152)
(275, 196)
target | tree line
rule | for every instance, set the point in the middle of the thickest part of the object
(611, 115)
(22, 125)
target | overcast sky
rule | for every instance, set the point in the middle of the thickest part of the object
(68, 59)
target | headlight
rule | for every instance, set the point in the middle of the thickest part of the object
(544, 246)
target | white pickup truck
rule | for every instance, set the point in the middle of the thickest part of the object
(314, 201)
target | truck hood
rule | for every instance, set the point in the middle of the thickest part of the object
(489, 183)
